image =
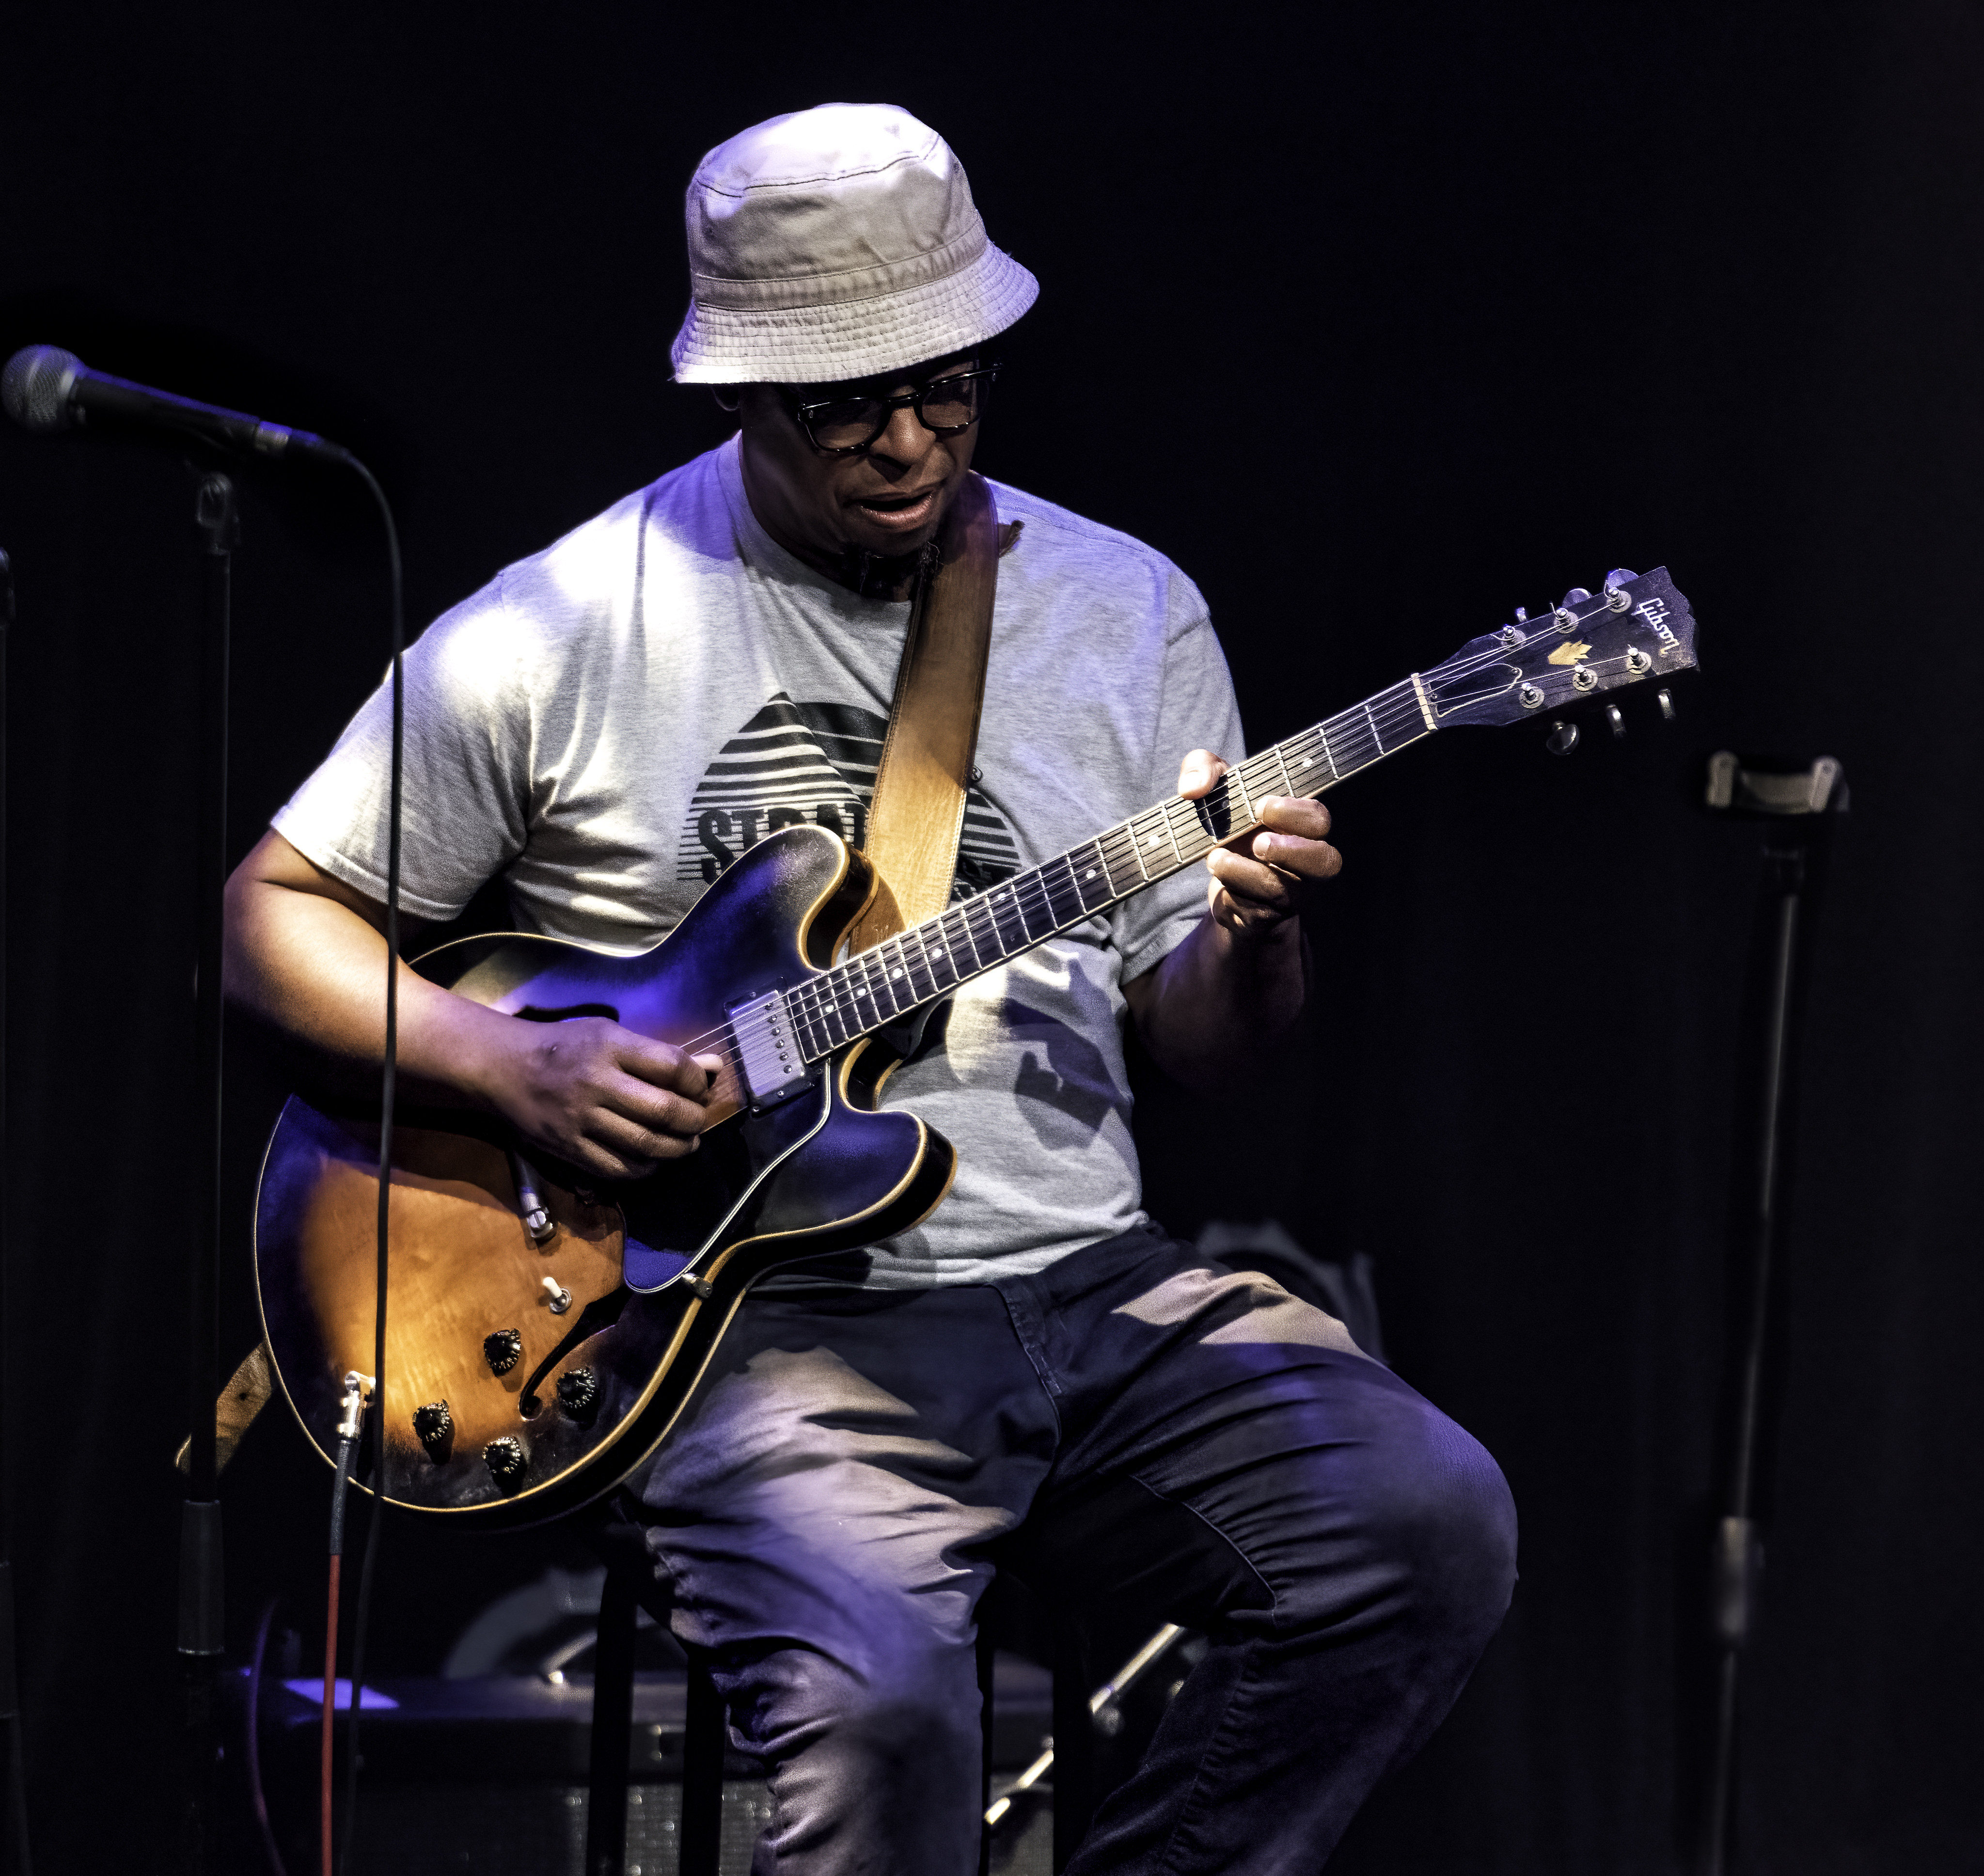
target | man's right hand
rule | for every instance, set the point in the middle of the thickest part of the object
(305, 954)
(596, 1094)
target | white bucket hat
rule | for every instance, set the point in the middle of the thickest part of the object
(834, 243)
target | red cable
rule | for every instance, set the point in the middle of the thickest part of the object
(330, 1709)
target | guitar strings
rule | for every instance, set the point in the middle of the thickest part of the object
(829, 1000)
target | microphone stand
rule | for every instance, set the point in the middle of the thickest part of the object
(10, 1698)
(1793, 807)
(201, 1627)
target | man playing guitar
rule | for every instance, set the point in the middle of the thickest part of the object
(610, 724)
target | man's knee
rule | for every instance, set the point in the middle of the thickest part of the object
(1443, 1518)
(1411, 1523)
(912, 1706)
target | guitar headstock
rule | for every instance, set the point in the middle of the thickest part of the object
(1638, 627)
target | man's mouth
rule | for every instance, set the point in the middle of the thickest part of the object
(899, 510)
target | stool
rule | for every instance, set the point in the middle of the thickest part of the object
(630, 1586)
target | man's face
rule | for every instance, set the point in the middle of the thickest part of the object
(886, 499)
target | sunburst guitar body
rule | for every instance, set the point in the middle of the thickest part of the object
(527, 1371)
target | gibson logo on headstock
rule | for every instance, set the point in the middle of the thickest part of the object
(1654, 611)
(1570, 653)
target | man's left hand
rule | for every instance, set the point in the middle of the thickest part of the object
(1254, 892)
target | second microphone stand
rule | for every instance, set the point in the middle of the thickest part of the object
(202, 1622)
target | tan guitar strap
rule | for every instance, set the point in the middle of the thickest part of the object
(918, 811)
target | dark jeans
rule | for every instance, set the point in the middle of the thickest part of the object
(1168, 1440)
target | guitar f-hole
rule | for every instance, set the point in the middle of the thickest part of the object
(601, 1313)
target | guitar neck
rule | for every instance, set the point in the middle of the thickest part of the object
(897, 977)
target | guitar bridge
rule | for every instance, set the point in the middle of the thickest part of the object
(769, 1058)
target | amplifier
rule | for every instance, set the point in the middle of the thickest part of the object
(489, 1774)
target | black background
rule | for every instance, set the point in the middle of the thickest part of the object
(1381, 321)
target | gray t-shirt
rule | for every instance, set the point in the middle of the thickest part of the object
(611, 721)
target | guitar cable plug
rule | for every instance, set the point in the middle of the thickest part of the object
(350, 1424)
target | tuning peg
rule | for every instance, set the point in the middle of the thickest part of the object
(1616, 582)
(1577, 596)
(1665, 702)
(1617, 721)
(1562, 739)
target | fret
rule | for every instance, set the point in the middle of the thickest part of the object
(895, 972)
(1236, 777)
(954, 924)
(850, 988)
(830, 1015)
(1091, 875)
(875, 970)
(984, 933)
(1259, 783)
(1117, 865)
(1323, 736)
(856, 972)
(1004, 912)
(1147, 836)
(1027, 893)
(917, 975)
(1288, 781)
(944, 973)
(1063, 891)
(1196, 841)
(812, 1039)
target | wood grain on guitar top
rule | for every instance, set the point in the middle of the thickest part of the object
(818, 1172)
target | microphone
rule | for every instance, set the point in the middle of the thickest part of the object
(45, 389)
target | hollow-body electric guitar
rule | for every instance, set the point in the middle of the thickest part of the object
(543, 1330)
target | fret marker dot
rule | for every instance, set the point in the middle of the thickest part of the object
(897, 972)
(1090, 874)
(1304, 763)
(1152, 842)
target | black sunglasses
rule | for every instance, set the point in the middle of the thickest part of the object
(846, 426)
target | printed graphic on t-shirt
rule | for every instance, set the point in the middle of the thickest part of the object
(816, 761)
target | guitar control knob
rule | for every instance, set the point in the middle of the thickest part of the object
(434, 1427)
(578, 1393)
(503, 1351)
(506, 1458)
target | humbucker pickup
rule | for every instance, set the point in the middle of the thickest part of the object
(768, 1053)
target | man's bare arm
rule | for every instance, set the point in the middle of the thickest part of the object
(1241, 979)
(306, 954)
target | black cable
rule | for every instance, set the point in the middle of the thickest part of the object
(258, 1797)
(388, 1080)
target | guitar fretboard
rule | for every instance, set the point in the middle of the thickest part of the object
(895, 978)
